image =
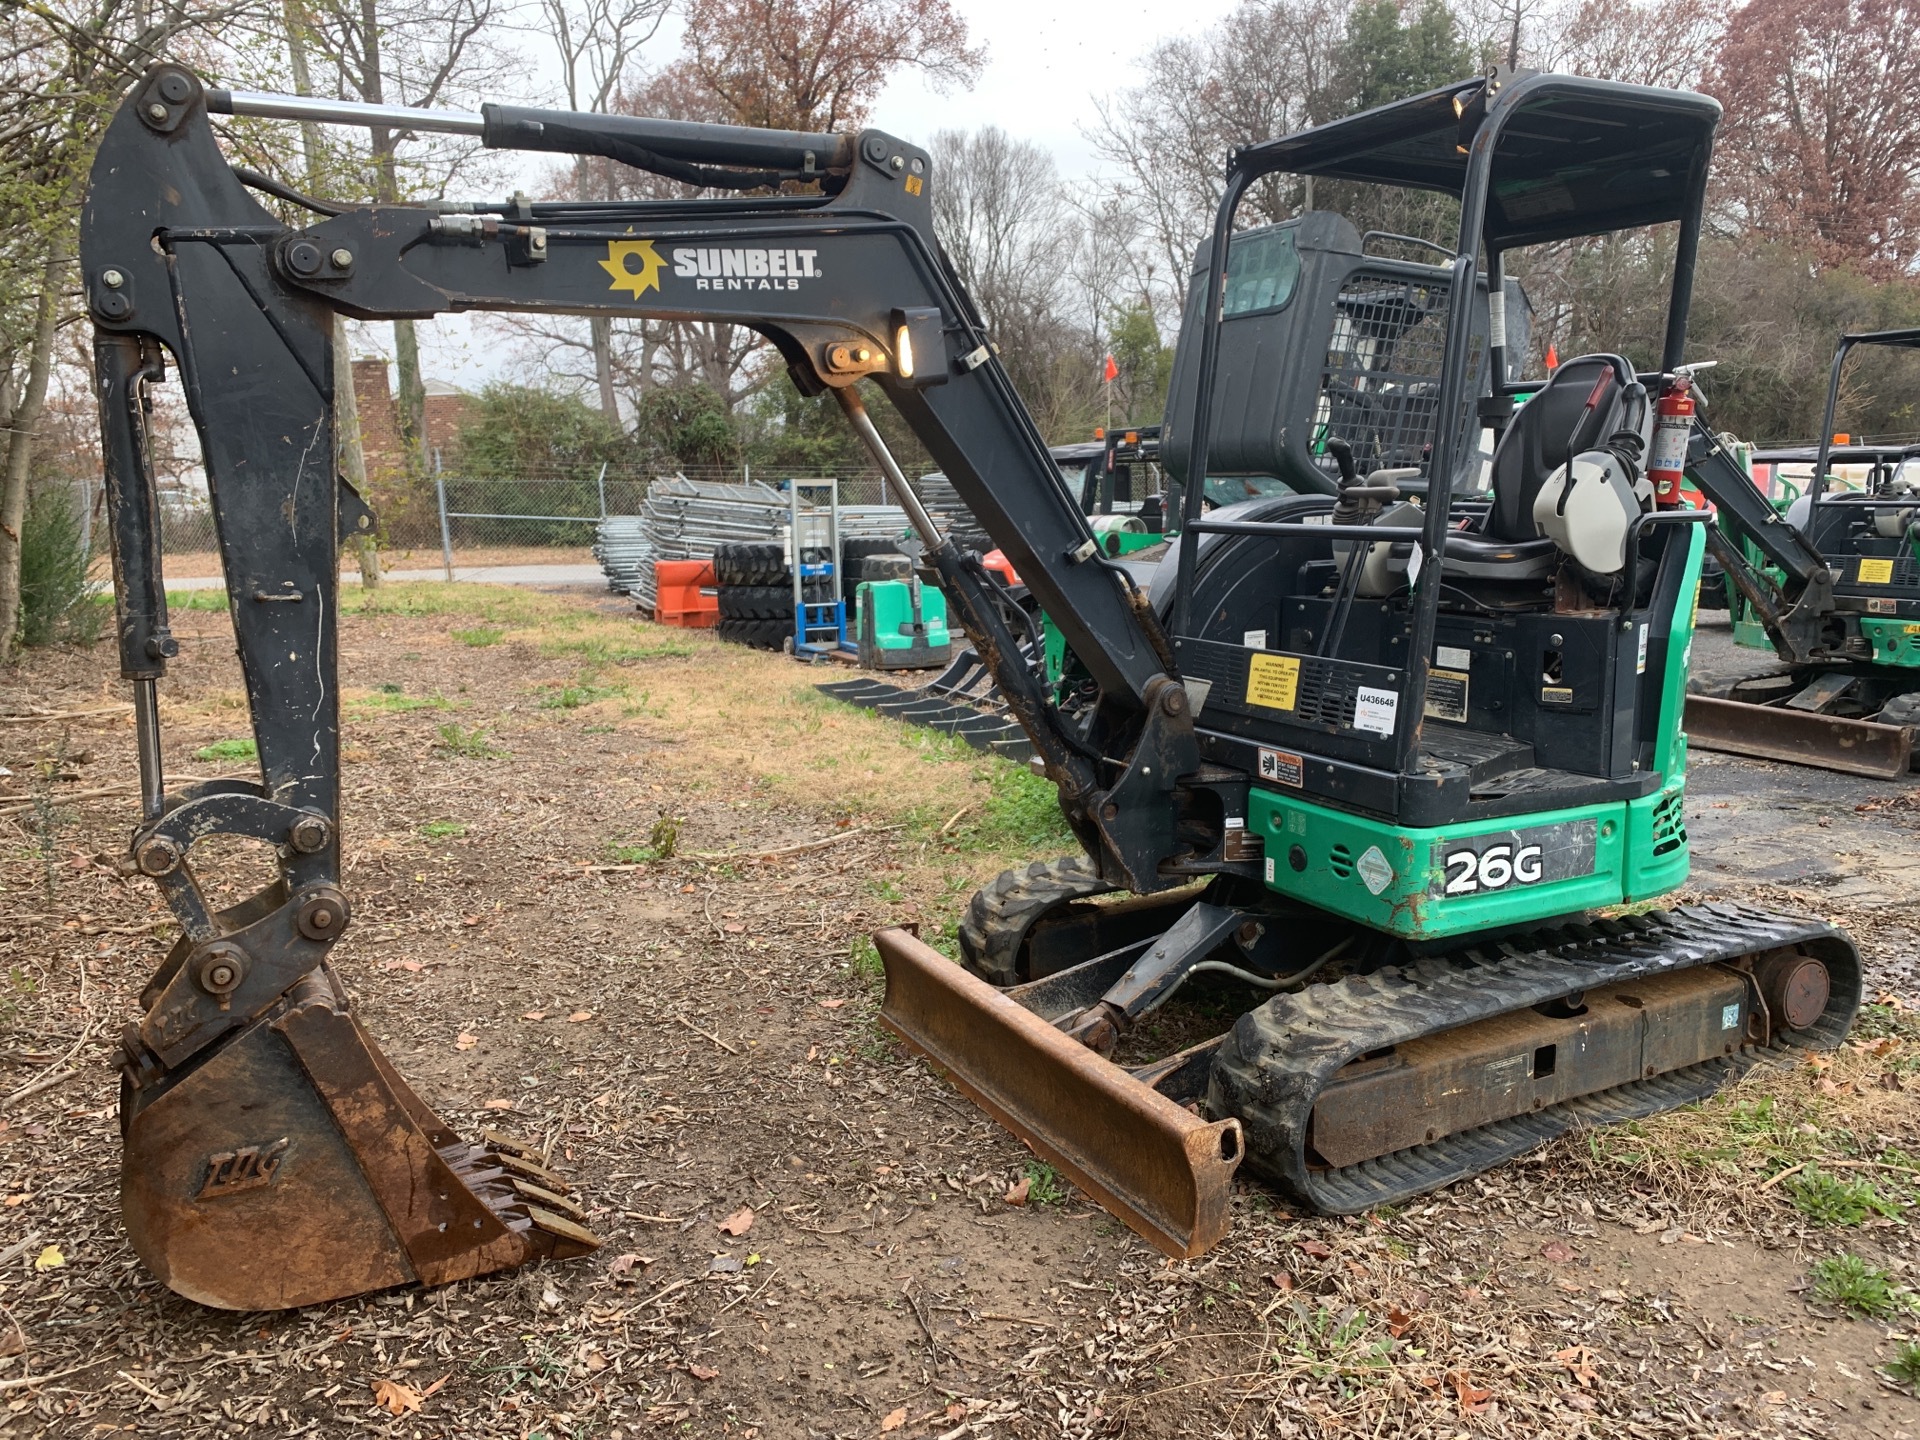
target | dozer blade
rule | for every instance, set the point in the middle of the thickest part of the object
(1797, 737)
(290, 1165)
(1160, 1168)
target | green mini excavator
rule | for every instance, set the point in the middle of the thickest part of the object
(1375, 767)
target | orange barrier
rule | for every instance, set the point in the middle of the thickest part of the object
(679, 586)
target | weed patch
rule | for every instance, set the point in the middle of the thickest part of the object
(661, 844)
(1044, 1185)
(1904, 1367)
(389, 701)
(1829, 1200)
(480, 636)
(1853, 1285)
(228, 750)
(443, 830)
(468, 744)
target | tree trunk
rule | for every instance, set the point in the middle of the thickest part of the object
(346, 448)
(601, 331)
(26, 418)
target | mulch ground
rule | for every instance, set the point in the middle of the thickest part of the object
(690, 1038)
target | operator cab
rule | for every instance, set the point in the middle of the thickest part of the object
(1505, 646)
(1861, 509)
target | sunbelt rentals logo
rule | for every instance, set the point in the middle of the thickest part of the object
(635, 267)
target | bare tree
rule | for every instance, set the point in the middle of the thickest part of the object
(1012, 232)
(423, 53)
(598, 42)
(1263, 72)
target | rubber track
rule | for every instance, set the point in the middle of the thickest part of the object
(998, 917)
(1280, 1056)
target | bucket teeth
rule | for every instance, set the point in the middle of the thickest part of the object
(528, 1170)
(507, 1145)
(558, 1237)
(547, 1200)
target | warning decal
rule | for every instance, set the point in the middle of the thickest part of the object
(1273, 681)
(1447, 694)
(1876, 572)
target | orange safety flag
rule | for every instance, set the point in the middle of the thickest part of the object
(1113, 370)
(1553, 358)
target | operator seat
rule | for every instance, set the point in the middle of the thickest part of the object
(1576, 410)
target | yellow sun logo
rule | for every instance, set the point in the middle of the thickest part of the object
(617, 264)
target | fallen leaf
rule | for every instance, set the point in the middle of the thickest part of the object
(49, 1259)
(734, 927)
(470, 919)
(1017, 1192)
(701, 1372)
(1890, 1081)
(1398, 1321)
(1473, 1400)
(893, 1420)
(1775, 1397)
(956, 1411)
(534, 1015)
(738, 1223)
(20, 1199)
(577, 1016)
(1319, 1249)
(813, 1052)
(1578, 1362)
(1281, 1281)
(435, 1387)
(1817, 1061)
(498, 1105)
(624, 1264)
(831, 1004)
(411, 966)
(1558, 1252)
(14, 1342)
(466, 1041)
(395, 1398)
(724, 1265)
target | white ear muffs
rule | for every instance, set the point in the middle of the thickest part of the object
(1587, 507)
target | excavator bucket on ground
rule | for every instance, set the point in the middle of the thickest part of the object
(291, 1165)
(1150, 1161)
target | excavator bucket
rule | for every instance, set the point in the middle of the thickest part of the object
(1799, 737)
(290, 1165)
(1155, 1165)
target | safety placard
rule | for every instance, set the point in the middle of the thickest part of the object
(1876, 572)
(1282, 767)
(1273, 681)
(1447, 694)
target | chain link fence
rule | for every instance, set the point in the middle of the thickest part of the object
(463, 523)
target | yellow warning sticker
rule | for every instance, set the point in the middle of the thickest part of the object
(1273, 681)
(1876, 572)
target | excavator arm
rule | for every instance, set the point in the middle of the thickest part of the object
(273, 1156)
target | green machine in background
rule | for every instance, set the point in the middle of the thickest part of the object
(901, 624)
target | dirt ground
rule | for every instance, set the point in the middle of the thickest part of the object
(686, 1037)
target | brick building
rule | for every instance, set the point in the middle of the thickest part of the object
(379, 419)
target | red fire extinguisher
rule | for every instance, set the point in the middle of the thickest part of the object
(1672, 420)
(1672, 423)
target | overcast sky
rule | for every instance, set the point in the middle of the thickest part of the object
(1047, 65)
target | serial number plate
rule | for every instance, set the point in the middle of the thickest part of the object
(1505, 859)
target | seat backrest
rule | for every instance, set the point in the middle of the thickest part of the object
(1574, 411)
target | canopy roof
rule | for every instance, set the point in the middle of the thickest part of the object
(1571, 156)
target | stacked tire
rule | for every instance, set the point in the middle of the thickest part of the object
(755, 589)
